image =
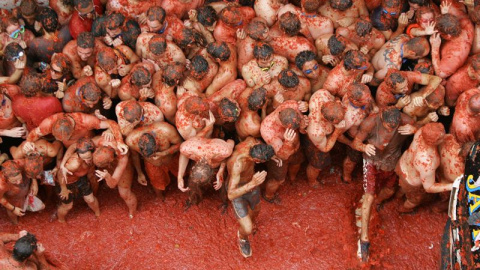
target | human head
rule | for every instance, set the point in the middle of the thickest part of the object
(425, 67)
(85, 45)
(336, 45)
(474, 67)
(307, 63)
(261, 152)
(201, 173)
(257, 99)
(363, 27)
(33, 165)
(85, 9)
(13, 52)
(290, 118)
(433, 133)
(333, 112)
(12, 171)
(219, 50)
(436, 99)
(416, 48)
(60, 66)
(341, 5)
(89, 94)
(288, 79)
(157, 45)
(103, 156)
(207, 16)
(141, 77)
(231, 16)
(290, 23)
(132, 111)
(448, 26)
(147, 144)
(228, 110)
(28, 9)
(30, 84)
(173, 74)
(10, 25)
(113, 24)
(263, 53)
(63, 128)
(425, 16)
(415, 4)
(257, 30)
(84, 149)
(197, 106)
(396, 81)
(355, 60)
(310, 6)
(390, 118)
(199, 67)
(107, 60)
(474, 104)
(24, 247)
(48, 19)
(155, 18)
(359, 94)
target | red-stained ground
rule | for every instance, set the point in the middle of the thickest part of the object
(311, 229)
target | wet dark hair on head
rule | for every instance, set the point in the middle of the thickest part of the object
(448, 24)
(33, 165)
(82, 3)
(231, 15)
(62, 61)
(419, 45)
(475, 62)
(147, 145)
(219, 50)
(4, 23)
(358, 91)
(10, 169)
(90, 91)
(287, 78)
(156, 13)
(86, 40)
(303, 57)
(336, 44)
(107, 59)
(140, 76)
(103, 156)
(290, 23)
(311, 6)
(256, 29)
(206, 15)
(197, 106)
(432, 133)
(201, 173)
(391, 115)
(290, 118)
(173, 74)
(341, 5)
(363, 27)
(333, 111)
(228, 110)
(24, 247)
(262, 51)
(132, 111)
(48, 18)
(187, 37)
(63, 128)
(115, 20)
(28, 7)
(257, 99)
(157, 45)
(12, 51)
(30, 84)
(354, 60)
(262, 151)
(85, 145)
(199, 65)
(419, 2)
(425, 67)
(394, 77)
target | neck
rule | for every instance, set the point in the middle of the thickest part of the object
(15, 263)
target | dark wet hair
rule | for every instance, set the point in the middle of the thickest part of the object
(290, 118)
(48, 18)
(303, 57)
(140, 76)
(290, 23)
(147, 145)
(63, 129)
(201, 173)
(230, 15)
(311, 6)
(115, 20)
(357, 91)
(30, 84)
(333, 111)
(419, 45)
(419, 2)
(12, 50)
(336, 45)
(173, 74)
(107, 59)
(287, 78)
(24, 247)
(257, 99)
(341, 5)
(187, 37)
(219, 50)
(425, 67)
(363, 27)
(85, 145)
(33, 165)
(156, 13)
(28, 7)
(393, 78)
(475, 62)
(256, 29)
(228, 110)
(262, 151)
(474, 103)
(354, 60)
(448, 24)
(82, 3)
(132, 111)
(62, 61)
(86, 40)
(197, 106)
(10, 168)
(4, 23)
(90, 92)
(157, 45)
(206, 15)
(391, 115)
(103, 156)
(262, 51)
(199, 65)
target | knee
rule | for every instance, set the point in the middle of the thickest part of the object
(68, 206)
(247, 228)
(125, 193)
(89, 199)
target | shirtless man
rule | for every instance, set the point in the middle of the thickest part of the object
(164, 90)
(14, 63)
(417, 166)
(83, 96)
(202, 70)
(315, 73)
(458, 33)
(85, 12)
(120, 30)
(244, 186)
(431, 107)
(188, 119)
(82, 52)
(161, 52)
(230, 20)
(343, 12)
(265, 67)
(132, 114)
(256, 32)
(465, 124)
(452, 159)
(289, 86)
(325, 125)
(204, 20)
(179, 8)
(138, 83)
(251, 101)
(279, 129)
(465, 78)
(395, 51)
(80, 164)
(425, 23)
(158, 22)
(223, 104)
(14, 188)
(14, 33)
(158, 144)
(331, 48)
(225, 54)
(368, 39)
(355, 67)
(385, 133)
(111, 66)
(267, 10)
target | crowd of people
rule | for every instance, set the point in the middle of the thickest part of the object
(121, 90)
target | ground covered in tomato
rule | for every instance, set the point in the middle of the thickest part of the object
(311, 229)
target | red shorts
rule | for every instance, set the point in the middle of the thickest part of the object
(375, 179)
(158, 175)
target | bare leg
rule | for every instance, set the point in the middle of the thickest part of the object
(246, 227)
(63, 210)
(293, 171)
(312, 175)
(272, 187)
(366, 208)
(13, 217)
(92, 203)
(385, 194)
(130, 199)
(348, 167)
